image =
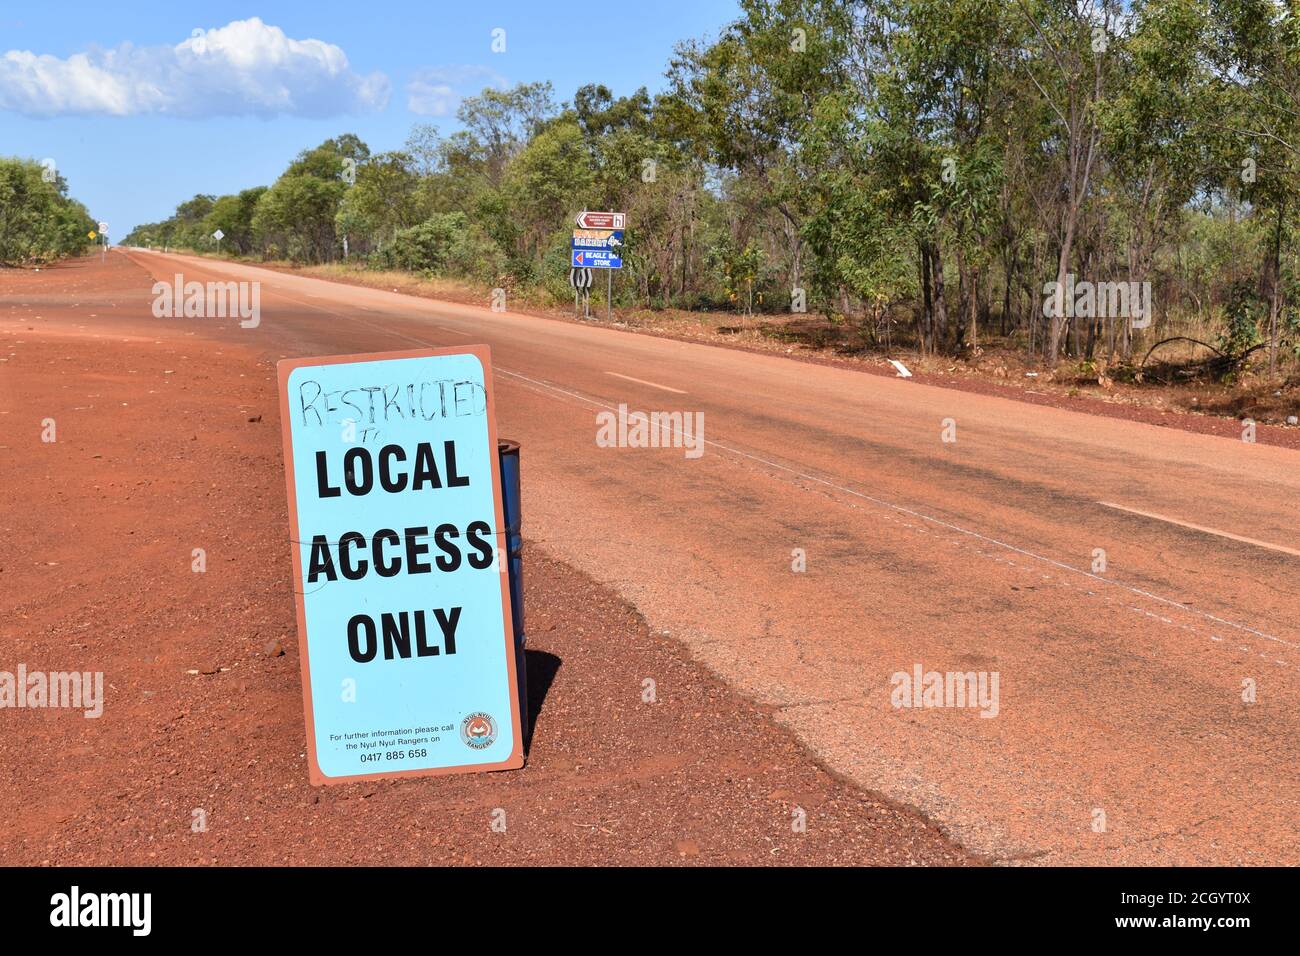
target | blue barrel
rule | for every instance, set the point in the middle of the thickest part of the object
(508, 451)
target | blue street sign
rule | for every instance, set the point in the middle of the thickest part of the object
(596, 259)
(597, 239)
(404, 611)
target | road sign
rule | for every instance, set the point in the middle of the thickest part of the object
(597, 239)
(404, 615)
(218, 235)
(103, 227)
(91, 234)
(580, 278)
(601, 220)
(596, 259)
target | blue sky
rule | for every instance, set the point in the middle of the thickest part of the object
(143, 104)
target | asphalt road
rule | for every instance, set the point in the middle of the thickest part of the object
(1119, 732)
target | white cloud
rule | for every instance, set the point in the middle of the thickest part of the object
(246, 67)
(437, 91)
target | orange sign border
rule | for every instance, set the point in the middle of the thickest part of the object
(515, 759)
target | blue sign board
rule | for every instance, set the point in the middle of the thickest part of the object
(596, 259)
(404, 614)
(597, 239)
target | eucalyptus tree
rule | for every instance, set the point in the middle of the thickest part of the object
(1156, 131)
(1259, 75)
(751, 98)
(1065, 59)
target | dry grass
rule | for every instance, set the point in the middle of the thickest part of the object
(394, 281)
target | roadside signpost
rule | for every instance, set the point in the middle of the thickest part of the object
(103, 236)
(218, 235)
(399, 563)
(597, 244)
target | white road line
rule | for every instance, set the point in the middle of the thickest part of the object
(921, 516)
(1202, 528)
(447, 328)
(641, 381)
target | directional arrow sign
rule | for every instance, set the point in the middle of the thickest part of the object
(601, 220)
(596, 259)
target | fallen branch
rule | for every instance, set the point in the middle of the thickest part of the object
(1182, 338)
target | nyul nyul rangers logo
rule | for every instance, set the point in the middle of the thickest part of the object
(478, 730)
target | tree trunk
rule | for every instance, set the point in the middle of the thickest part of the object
(1007, 322)
(964, 295)
(1275, 294)
(940, 308)
(927, 302)
(1062, 270)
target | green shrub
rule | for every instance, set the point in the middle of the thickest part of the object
(447, 244)
(38, 222)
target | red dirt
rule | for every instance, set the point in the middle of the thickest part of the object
(168, 441)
